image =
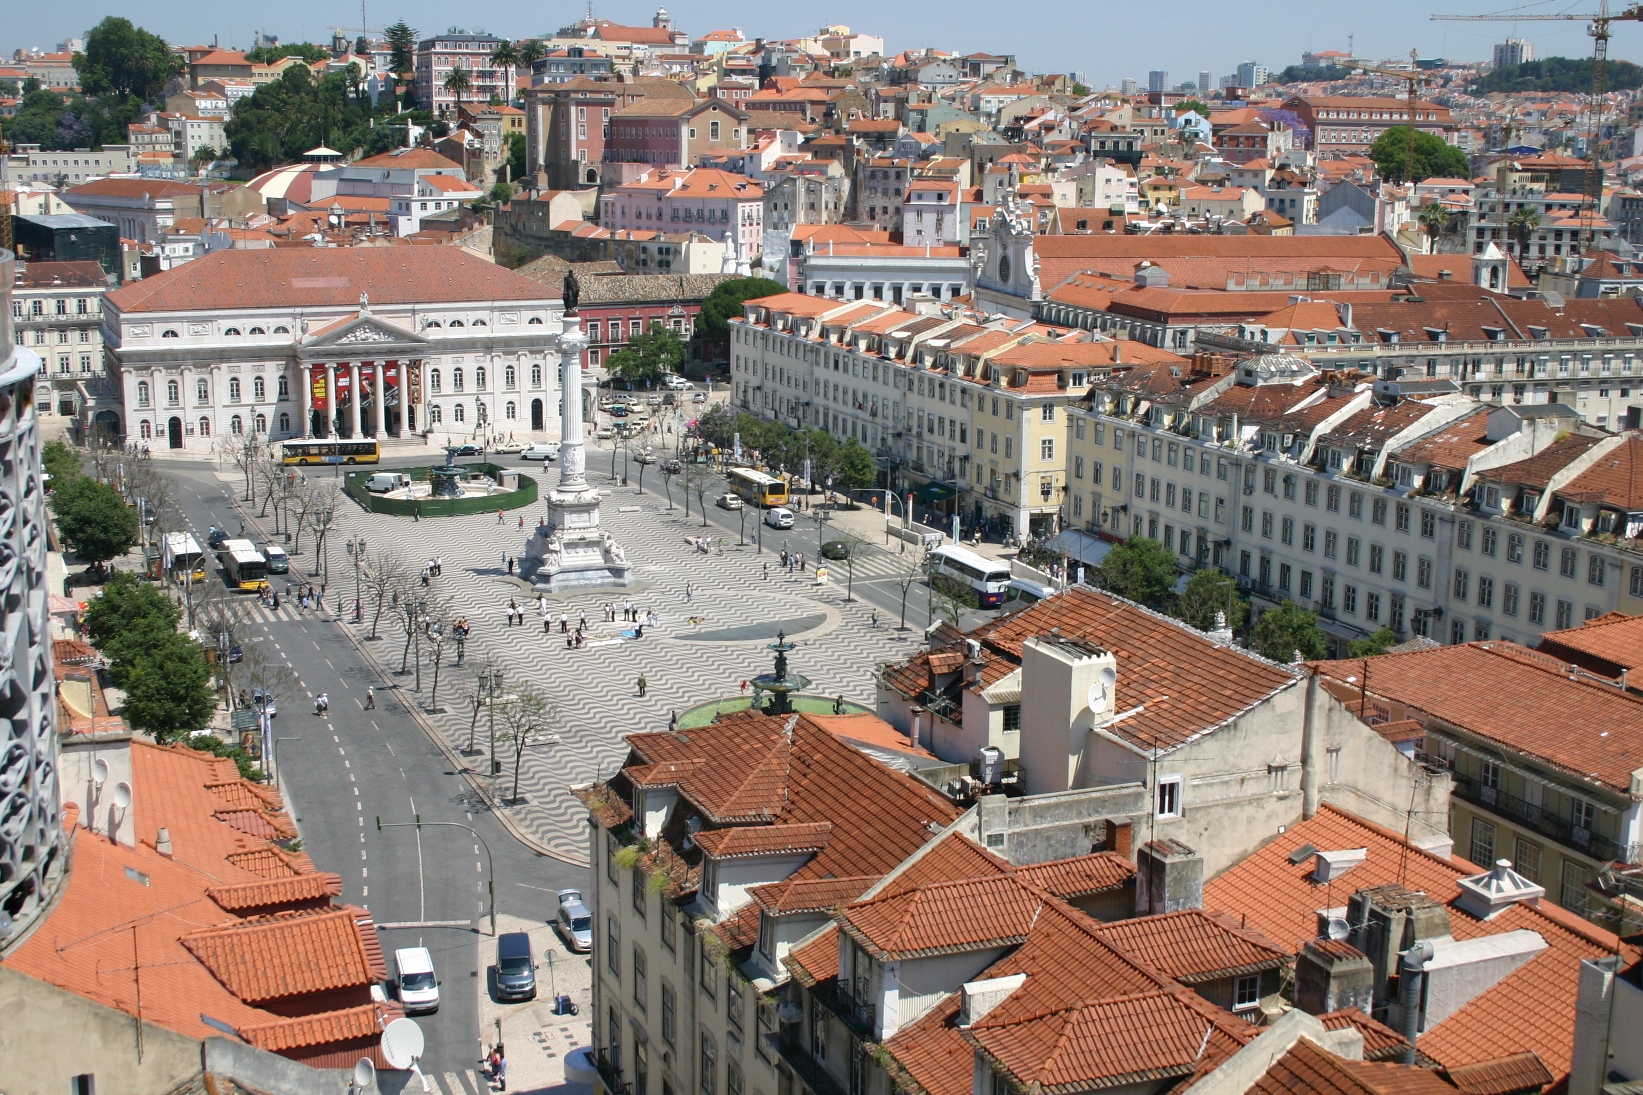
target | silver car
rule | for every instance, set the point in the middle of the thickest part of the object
(574, 922)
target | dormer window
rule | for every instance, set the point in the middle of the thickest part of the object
(1571, 516)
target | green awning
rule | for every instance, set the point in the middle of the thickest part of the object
(932, 493)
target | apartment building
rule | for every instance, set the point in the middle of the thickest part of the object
(56, 308)
(1375, 505)
(436, 57)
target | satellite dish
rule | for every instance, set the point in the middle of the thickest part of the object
(122, 794)
(1338, 929)
(365, 1073)
(99, 771)
(1101, 689)
(402, 1043)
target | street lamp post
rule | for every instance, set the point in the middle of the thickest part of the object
(489, 862)
(494, 689)
(356, 551)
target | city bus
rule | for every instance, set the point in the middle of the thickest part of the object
(757, 487)
(182, 558)
(332, 451)
(958, 568)
(243, 566)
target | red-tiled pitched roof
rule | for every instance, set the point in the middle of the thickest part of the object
(1537, 470)
(765, 839)
(1614, 641)
(424, 158)
(1194, 946)
(349, 1024)
(1615, 479)
(285, 955)
(1380, 1042)
(1081, 875)
(1511, 1075)
(1307, 1069)
(943, 917)
(298, 889)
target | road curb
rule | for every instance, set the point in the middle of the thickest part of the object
(457, 761)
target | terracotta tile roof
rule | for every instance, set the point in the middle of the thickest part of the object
(1519, 1072)
(944, 917)
(256, 824)
(1207, 261)
(1194, 946)
(765, 839)
(155, 189)
(1380, 1042)
(933, 1053)
(1307, 1069)
(1373, 426)
(349, 1024)
(299, 889)
(816, 959)
(1452, 446)
(1615, 479)
(1081, 875)
(1537, 471)
(811, 894)
(1476, 687)
(425, 159)
(72, 652)
(1184, 684)
(268, 863)
(286, 954)
(1614, 641)
(325, 277)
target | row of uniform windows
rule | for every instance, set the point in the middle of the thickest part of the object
(202, 391)
(55, 337)
(59, 307)
(236, 425)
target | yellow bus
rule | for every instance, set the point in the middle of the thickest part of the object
(182, 557)
(331, 451)
(243, 566)
(757, 487)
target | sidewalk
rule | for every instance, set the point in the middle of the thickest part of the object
(537, 1040)
(869, 524)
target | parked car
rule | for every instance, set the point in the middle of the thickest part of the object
(670, 466)
(509, 448)
(730, 501)
(418, 987)
(779, 517)
(542, 450)
(235, 653)
(669, 399)
(574, 922)
(700, 397)
(654, 401)
(278, 561)
(470, 449)
(515, 972)
(646, 457)
(835, 549)
(259, 698)
(676, 382)
(604, 433)
(618, 410)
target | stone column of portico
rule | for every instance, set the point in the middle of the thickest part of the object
(330, 400)
(305, 381)
(379, 395)
(353, 399)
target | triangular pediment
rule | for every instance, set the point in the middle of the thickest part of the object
(362, 330)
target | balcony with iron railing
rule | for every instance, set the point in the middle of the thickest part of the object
(1539, 820)
(796, 1055)
(610, 1073)
(858, 1015)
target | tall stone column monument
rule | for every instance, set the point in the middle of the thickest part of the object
(570, 551)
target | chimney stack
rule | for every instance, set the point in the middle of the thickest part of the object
(1169, 877)
(1331, 974)
(162, 843)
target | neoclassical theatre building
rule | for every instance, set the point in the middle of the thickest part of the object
(350, 342)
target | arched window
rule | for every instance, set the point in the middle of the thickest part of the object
(259, 390)
(284, 388)
(431, 323)
(234, 390)
(534, 321)
(456, 380)
(508, 377)
(173, 392)
(146, 430)
(511, 411)
(433, 380)
(434, 415)
(257, 331)
(168, 333)
(457, 412)
(142, 393)
(235, 331)
(456, 323)
(260, 423)
(536, 375)
(479, 378)
(479, 323)
(235, 426)
(282, 330)
(205, 426)
(202, 391)
(285, 422)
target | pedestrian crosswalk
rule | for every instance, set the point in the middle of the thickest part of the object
(460, 1083)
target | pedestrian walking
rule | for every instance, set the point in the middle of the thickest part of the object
(643, 684)
(499, 516)
(687, 593)
(784, 558)
(505, 561)
(801, 562)
(564, 623)
(370, 698)
(767, 572)
(582, 624)
(502, 1069)
(513, 611)
(672, 721)
(510, 564)
(521, 520)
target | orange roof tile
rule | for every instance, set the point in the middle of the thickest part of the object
(1519, 1072)
(314, 886)
(1610, 644)
(944, 917)
(1081, 875)
(286, 954)
(1616, 479)
(1380, 1041)
(1194, 946)
(764, 839)
(346, 1025)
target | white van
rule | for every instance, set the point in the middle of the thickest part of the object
(778, 517)
(418, 988)
(278, 561)
(1021, 593)
(384, 481)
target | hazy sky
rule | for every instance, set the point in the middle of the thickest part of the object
(1105, 41)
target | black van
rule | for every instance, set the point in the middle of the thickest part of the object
(515, 972)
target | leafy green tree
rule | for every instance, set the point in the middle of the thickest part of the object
(1433, 219)
(307, 51)
(457, 81)
(649, 356)
(130, 617)
(725, 304)
(9, 89)
(857, 470)
(1080, 90)
(168, 688)
(499, 193)
(61, 462)
(210, 743)
(1283, 630)
(1375, 643)
(505, 55)
(1198, 106)
(1433, 157)
(36, 119)
(285, 118)
(1210, 591)
(530, 52)
(516, 157)
(204, 156)
(1569, 74)
(94, 520)
(1141, 569)
(401, 38)
(123, 59)
(1296, 74)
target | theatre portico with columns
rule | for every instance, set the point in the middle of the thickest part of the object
(383, 342)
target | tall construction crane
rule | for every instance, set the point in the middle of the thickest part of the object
(1592, 184)
(1413, 76)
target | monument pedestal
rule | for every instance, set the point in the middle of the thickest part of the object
(570, 551)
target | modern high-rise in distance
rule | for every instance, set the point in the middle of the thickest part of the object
(1157, 80)
(1514, 51)
(1251, 74)
(1206, 82)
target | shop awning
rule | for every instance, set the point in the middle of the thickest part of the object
(932, 493)
(1080, 546)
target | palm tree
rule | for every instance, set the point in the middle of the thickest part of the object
(506, 57)
(1433, 219)
(1520, 226)
(457, 80)
(530, 52)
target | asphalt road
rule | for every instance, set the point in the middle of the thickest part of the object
(425, 886)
